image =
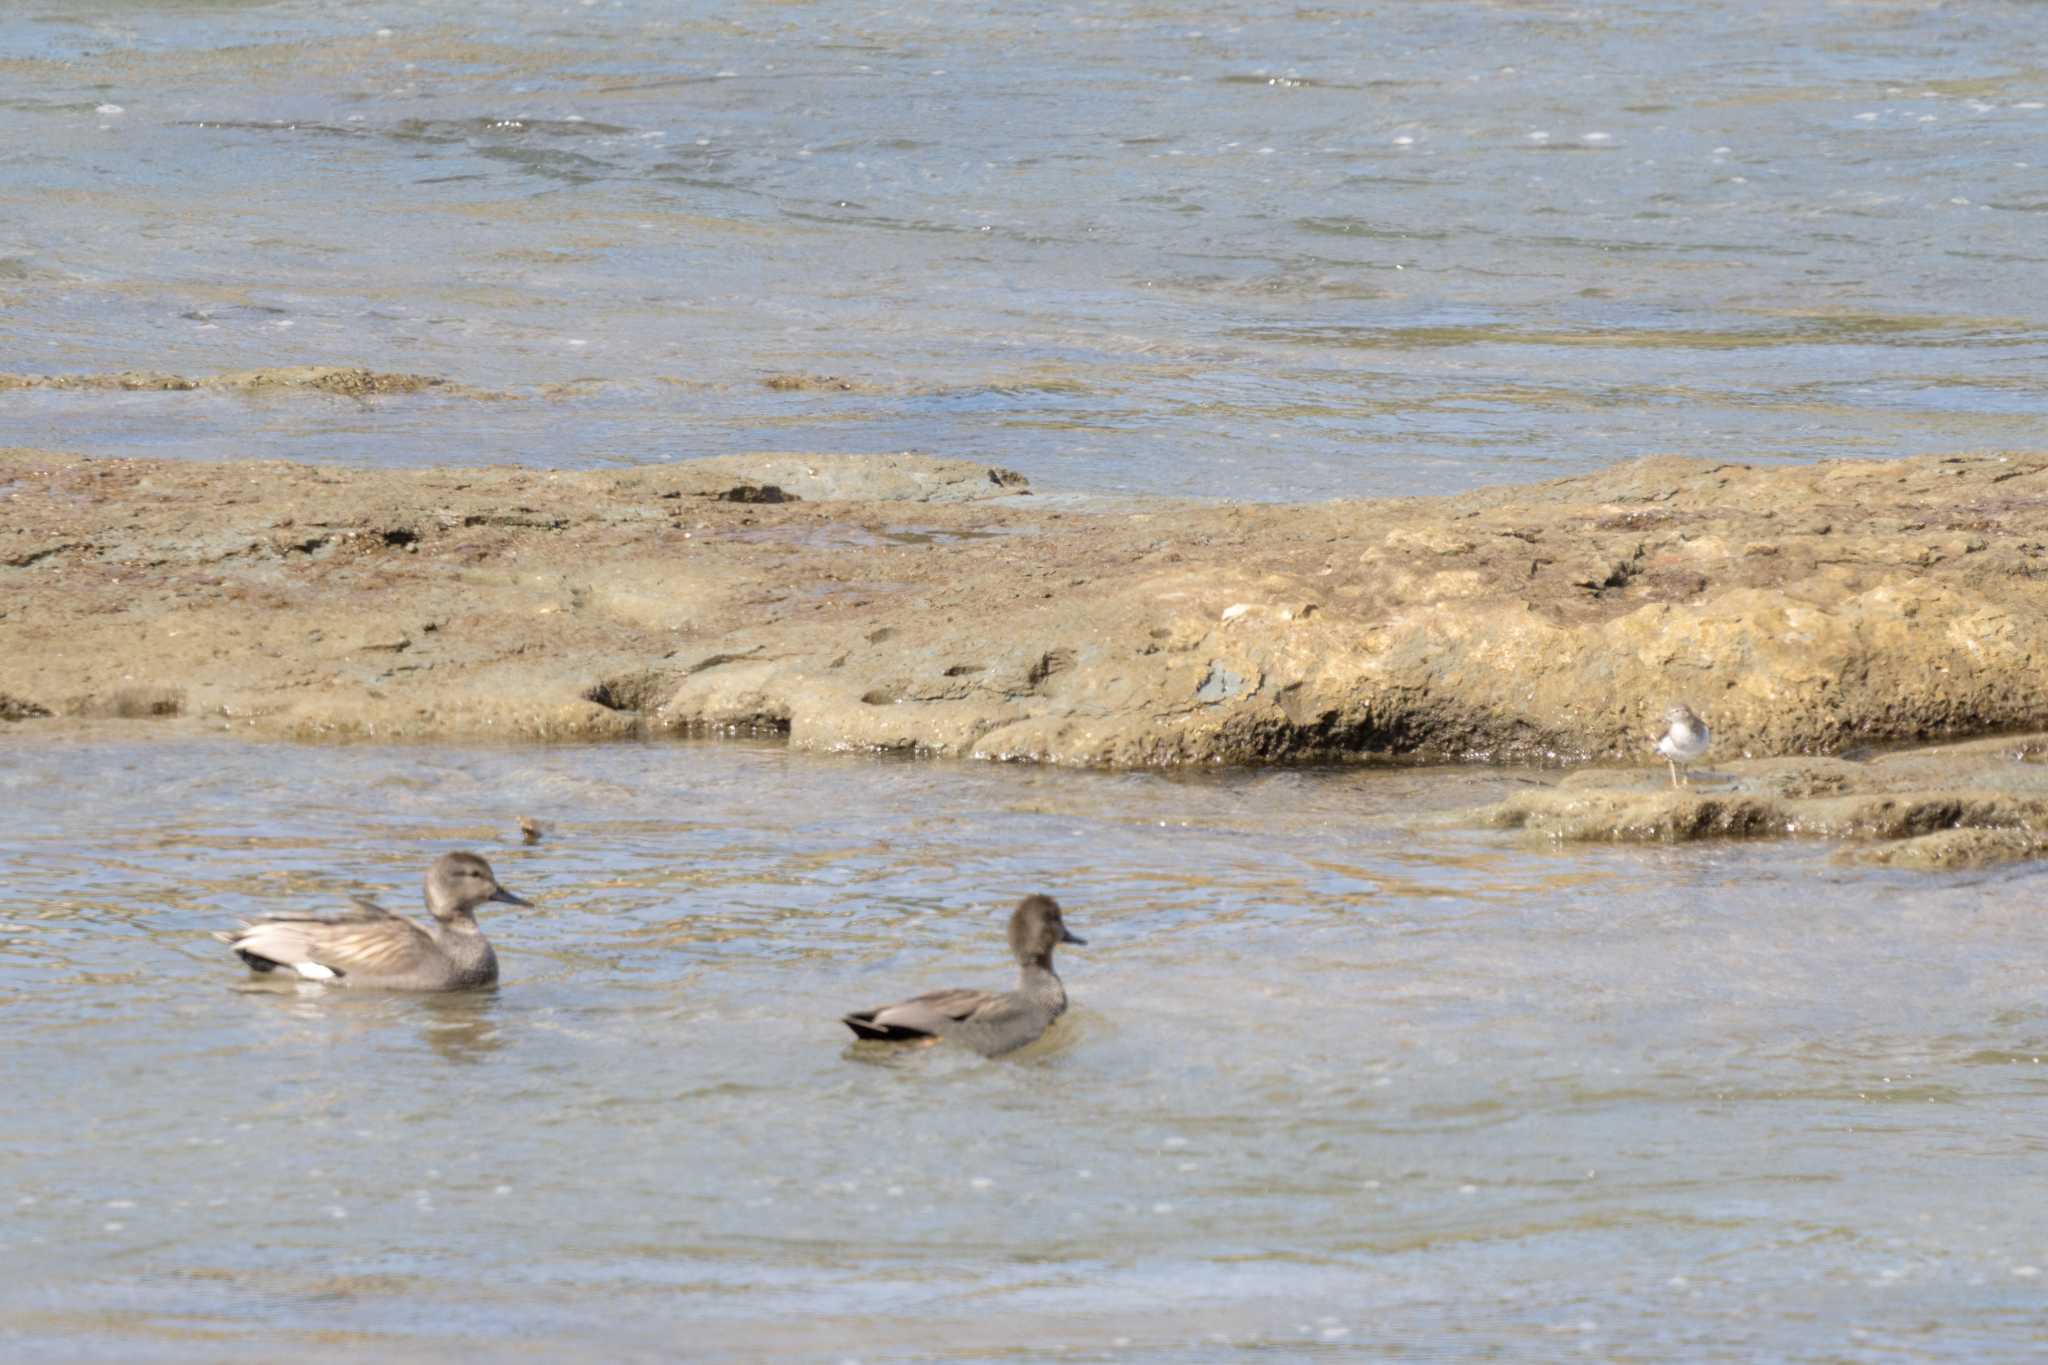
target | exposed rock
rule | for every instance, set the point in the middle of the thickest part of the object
(756, 492)
(128, 703)
(813, 383)
(1953, 849)
(348, 381)
(20, 708)
(853, 478)
(913, 604)
(1954, 806)
(128, 381)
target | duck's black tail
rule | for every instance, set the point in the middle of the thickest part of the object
(863, 1024)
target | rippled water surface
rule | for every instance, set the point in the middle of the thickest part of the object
(1258, 250)
(1342, 1074)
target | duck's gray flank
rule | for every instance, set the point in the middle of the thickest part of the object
(990, 1022)
(370, 947)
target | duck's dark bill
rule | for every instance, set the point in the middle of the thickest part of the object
(1069, 936)
(508, 898)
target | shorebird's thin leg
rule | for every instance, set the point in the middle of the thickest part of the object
(1674, 770)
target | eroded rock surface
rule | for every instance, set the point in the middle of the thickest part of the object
(1963, 805)
(913, 604)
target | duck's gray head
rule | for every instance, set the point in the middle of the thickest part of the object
(1036, 929)
(458, 883)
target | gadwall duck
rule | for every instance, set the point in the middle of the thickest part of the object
(1684, 740)
(369, 947)
(990, 1022)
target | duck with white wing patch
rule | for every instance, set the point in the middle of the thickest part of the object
(371, 948)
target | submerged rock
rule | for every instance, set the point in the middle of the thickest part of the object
(347, 380)
(1954, 850)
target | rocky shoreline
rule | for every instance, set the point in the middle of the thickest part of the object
(902, 603)
(1971, 804)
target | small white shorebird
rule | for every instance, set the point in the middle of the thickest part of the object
(1684, 740)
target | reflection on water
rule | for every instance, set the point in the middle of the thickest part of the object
(1339, 1074)
(1261, 250)
(459, 1027)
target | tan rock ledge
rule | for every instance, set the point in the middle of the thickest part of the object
(903, 603)
(1960, 805)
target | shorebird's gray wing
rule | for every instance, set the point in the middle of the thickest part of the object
(367, 941)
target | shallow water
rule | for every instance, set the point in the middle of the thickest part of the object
(1258, 250)
(1342, 1075)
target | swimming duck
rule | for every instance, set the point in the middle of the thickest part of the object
(990, 1022)
(369, 947)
